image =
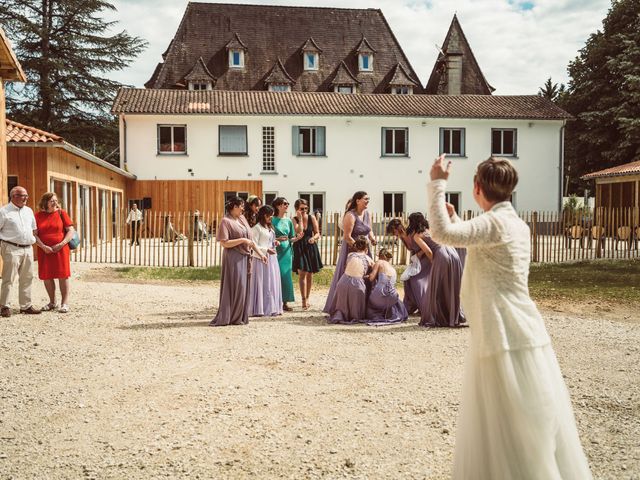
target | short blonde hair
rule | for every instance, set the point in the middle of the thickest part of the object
(43, 204)
(497, 178)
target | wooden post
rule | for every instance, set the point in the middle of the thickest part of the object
(191, 233)
(534, 233)
(336, 237)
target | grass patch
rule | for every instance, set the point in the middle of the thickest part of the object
(169, 273)
(599, 280)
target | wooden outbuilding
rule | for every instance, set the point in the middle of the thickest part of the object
(617, 187)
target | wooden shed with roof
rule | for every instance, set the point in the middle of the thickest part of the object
(617, 187)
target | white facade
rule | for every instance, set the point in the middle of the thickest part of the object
(353, 159)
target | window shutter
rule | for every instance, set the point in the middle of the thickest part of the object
(382, 136)
(233, 139)
(463, 149)
(295, 140)
(441, 140)
(320, 141)
(406, 142)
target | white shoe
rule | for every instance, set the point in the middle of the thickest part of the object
(64, 308)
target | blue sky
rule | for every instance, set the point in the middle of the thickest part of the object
(518, 43)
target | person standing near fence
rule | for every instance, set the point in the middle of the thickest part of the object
(516, 420)
(55, 231)
(306, 256)
(235, 236)
(134, 219)
(17, 234)
(286, 235)
(265, 297)
(356, 222)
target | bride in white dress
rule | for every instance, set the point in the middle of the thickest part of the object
(516, 420)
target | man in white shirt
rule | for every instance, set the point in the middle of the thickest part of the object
(134, 218)
(17, 235)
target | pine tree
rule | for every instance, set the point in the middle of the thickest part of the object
(551, 91)
(67, 50)
(604, 96)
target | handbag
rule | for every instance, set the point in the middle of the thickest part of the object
(75, 240)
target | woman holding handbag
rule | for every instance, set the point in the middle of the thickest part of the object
(55, 231)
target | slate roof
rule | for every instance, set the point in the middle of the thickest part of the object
(272, 32)
(278, 75)
(473, 81)
(401, 77)
(200, 72)
(216, 102)
(343, 76)
(631, 168)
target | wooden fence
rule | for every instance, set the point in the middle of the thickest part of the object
(172, 239)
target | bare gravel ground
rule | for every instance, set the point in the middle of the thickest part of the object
(133, 384)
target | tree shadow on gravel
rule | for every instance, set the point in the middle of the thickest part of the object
(165, 325)
(175, 320)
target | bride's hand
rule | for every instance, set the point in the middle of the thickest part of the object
(440, 170)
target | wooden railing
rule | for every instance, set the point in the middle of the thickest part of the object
(173, 239)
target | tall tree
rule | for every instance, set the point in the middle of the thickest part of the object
(551, 91)
(604, 96)
(67, 49)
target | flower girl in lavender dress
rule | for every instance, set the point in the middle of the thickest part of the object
(516, 420)
(384, 305)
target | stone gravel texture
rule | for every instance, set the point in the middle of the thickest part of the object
(132, 383)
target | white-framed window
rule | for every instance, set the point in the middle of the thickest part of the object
(343, 89)
(402, 90)
(308, 141)
(232, 140)
(274, 87)
(268, 197)
(454, 199)
(395, 142)
(315, 201)
(199, 85)
(311, 60)
(365, 62)
(172, 139)
(504, 141)
(236, 58)
(393, 203)
(228, 195)
(268, 149)
(452, 141)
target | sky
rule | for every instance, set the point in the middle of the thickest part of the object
(517, 43)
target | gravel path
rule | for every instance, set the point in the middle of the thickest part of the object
(133, 384)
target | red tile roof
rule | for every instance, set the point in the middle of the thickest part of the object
(17, 132)
(632, 168)
(216, 102)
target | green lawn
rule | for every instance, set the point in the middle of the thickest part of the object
(607, 280)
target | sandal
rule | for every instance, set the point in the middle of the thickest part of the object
(305, 304)
(49, 307)
(64, 308)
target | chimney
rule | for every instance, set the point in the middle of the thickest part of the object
(454, 73)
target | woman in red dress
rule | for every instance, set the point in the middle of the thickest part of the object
(55, 230)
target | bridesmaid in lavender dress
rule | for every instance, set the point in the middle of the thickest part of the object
(384, 305)
(235, 236)
(440, 305)
(351, 291)
(356, 222)
(415, 289)
(265, 297)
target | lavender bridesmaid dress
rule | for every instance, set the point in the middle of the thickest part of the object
(415, 289)
(384, 305)
(361, 227)
(350, 298)
(265, 292)
(441, 304)
(233, 308)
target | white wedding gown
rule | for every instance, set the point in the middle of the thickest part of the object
(516, 420)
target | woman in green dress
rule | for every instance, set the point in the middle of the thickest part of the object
(286, 235)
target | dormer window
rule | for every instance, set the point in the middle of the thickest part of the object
(236, 58)
(365, 62)
(199, 85)
(343, 89)
(311, 60)
(279, 88)
(402, 90)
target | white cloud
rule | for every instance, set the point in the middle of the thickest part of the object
(517, 49)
